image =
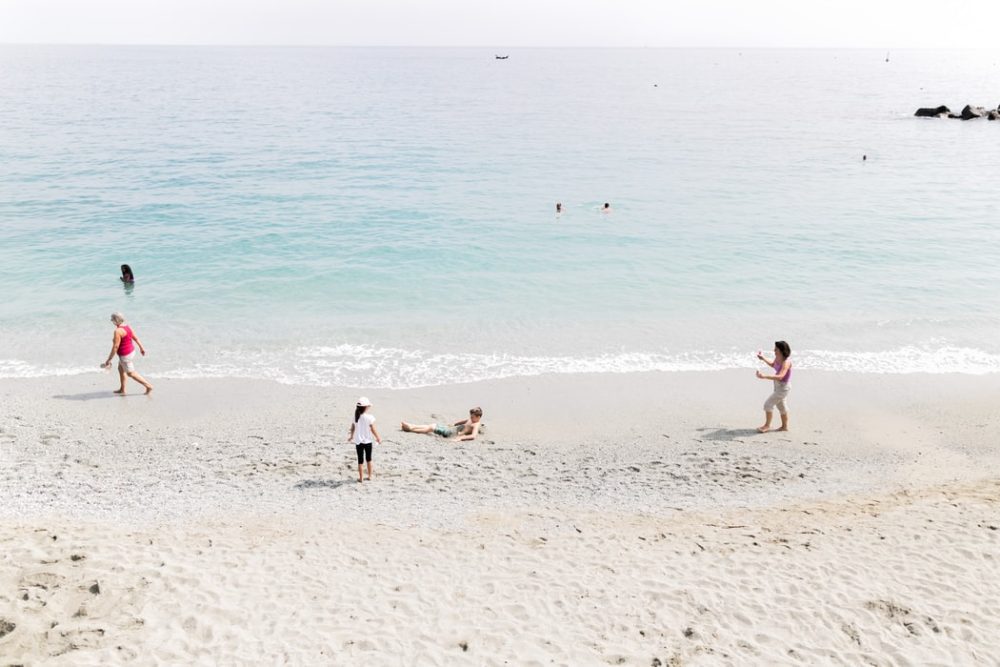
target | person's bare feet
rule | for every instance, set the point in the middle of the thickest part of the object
(404, 426)
(783, 428)
(149, 390)
(763, 429)
(120, 391)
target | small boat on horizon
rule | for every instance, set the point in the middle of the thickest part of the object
(502, 57)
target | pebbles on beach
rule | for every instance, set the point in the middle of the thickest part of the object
(181, 472)
(235, 533)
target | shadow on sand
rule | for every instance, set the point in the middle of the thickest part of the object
(728, 433)
(324, 483)
(94, 395)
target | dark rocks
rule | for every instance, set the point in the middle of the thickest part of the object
(6, 627)
(969, 112)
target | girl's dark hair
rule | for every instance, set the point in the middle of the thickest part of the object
(784, 348)
(127, 272)
(358, 411)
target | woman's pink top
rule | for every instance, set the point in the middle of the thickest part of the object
(125, 345)
(777, 369)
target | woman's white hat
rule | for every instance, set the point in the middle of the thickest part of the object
(363, 402)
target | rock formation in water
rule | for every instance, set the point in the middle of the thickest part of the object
(968, 112)
(933, 112)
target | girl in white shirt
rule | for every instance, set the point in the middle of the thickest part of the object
(362, 432)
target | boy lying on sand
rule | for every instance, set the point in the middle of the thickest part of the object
(467, 429)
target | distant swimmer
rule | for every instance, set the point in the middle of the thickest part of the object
(606, 208)
(864, 158)
(558, 207)
(127, 276)
(124, 344)
(466, 429)
(782, 366)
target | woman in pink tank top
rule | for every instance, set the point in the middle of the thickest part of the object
(782, 367)
(124, 345)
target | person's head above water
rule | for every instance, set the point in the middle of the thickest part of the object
(606, 206)
(782, 347)
(117, 318)
(558, 207)
(127, 276)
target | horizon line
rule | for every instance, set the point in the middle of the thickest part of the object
(497, 46)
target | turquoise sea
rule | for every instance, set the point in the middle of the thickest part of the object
(386, 217)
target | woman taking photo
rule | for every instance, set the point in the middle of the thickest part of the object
(782, 367)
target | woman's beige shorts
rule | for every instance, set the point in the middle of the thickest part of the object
(128, 362)
(777, 398)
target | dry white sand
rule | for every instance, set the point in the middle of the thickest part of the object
(631, 519)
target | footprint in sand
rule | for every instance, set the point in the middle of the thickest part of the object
(76, 639)
(42, 580)
(126, 654)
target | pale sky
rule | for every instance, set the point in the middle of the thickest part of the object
(507, 23)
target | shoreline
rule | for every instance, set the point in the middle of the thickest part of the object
(396, 367)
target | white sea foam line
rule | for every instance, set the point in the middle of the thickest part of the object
(396, 368)
(16, 368)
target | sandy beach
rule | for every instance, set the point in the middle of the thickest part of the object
(601, 519)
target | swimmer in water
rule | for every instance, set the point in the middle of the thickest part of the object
(606, 208)
(127, 276)
(558, 208)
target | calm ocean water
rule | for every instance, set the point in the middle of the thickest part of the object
(385, 217)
